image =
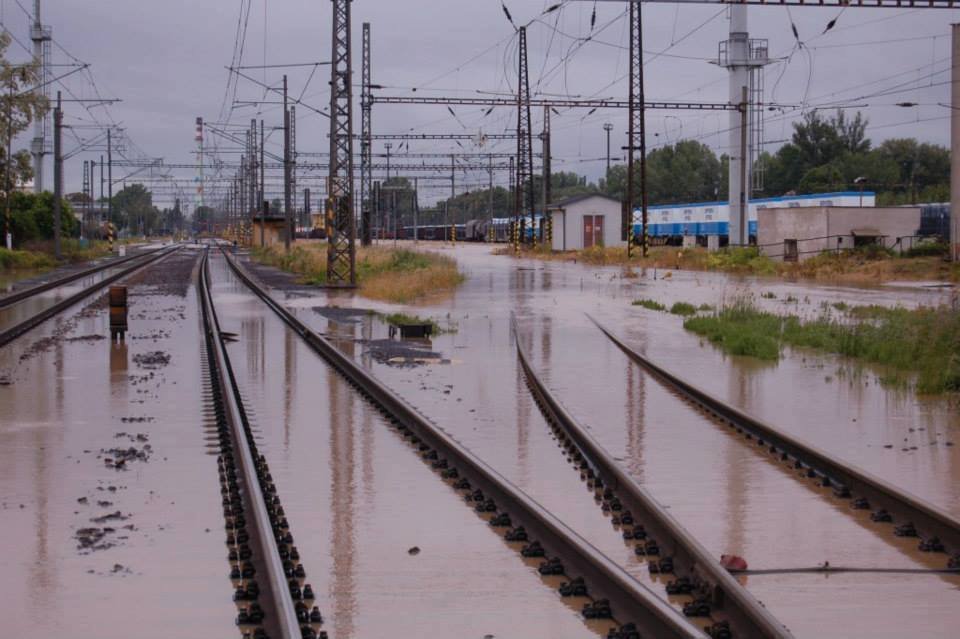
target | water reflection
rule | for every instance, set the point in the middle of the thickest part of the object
(343, 546)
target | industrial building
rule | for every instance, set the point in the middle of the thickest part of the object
(794, 234)
(584, 221)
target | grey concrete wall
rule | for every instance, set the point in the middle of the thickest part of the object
(802, 224)
(894, 222)
(814, 226)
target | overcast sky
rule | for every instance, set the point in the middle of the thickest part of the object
(166, 62)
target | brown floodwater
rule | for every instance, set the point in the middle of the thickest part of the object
(730, 497)
(359, 498)
(161, 571)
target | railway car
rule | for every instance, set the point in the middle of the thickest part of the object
(670, 223)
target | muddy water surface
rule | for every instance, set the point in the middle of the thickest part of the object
(733, 499)
(93, 547)
(390, 548)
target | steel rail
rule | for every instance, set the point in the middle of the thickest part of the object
(284, 612)
(14, 332)
(917, 517)
(19, 296)
(630, 600)
(747, 617)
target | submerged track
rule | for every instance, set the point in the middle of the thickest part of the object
(715, 592)
(258, 536)
(17, 330)
(906, 514)
(613, 592)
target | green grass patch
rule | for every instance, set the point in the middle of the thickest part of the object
(652, 305)
(923, 343)
(683, 308)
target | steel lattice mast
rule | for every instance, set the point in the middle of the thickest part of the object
(636, 132)
(524, 198)
(341, 249)
(366, 143)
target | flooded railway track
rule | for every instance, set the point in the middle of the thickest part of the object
(11, 333)
(893, 509)
(271, 592)
(19, 296)
(713, 592)
(609, 592)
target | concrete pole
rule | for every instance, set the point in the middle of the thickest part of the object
(955, 147)
(287, 205)
(738, 55)
(57, 176)
(39, 125)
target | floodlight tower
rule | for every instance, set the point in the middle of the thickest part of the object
(744, 58)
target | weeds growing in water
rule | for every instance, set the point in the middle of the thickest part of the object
(768, 295)
(923, 342)
(652, 305)
(393, 275)
(683, 308)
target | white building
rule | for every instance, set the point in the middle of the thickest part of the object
(583, 221)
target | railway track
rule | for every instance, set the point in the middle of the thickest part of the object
(19, 296)
(271, 592)
(15, 331)
(903, 514)
(611, 592)
(714, 592)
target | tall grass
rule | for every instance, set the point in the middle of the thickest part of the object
(16, 259)
(923, 343)
(388, 274)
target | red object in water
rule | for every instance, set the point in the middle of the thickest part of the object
(733, 562)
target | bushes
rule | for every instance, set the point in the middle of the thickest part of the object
(31, 218)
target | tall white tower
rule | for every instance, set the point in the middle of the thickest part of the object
(744, 58)
(39, 146)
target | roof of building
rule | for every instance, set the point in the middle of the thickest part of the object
(578, 198)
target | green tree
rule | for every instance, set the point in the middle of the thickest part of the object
(20, 105)
(685, 172)
(133, 208)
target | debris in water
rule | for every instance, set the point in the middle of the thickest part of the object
(414, 551)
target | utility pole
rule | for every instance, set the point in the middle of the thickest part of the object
(87, 198)
(306, 208)
(109, 178)
(955, 147)
(544, 214)
(383, 225)
(490, 192)
(453, 194)
(341, 249)
(262, 187)
(57, 175)
(7, 178)
(416, 208)
(288, 217)
(637, 128)
(366, 143)
(524, 196)
(743, 235)
(608, 128)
